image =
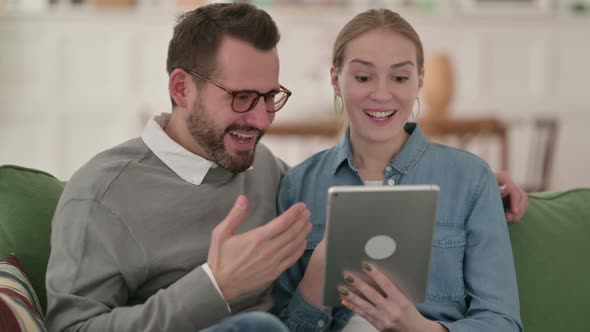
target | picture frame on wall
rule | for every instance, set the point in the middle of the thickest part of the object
(507, 7)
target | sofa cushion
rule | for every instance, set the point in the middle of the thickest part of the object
(27, 201)
(19, 307)
(550, 246)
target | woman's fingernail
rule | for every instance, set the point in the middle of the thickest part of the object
(349, 279)
(344, 303)
(367, 267)
(343, 292)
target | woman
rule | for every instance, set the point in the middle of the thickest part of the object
(377, 72)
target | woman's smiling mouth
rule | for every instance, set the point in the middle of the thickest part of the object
(380, 115)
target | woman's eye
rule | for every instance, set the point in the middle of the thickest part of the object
(362, 78)
(400, 79)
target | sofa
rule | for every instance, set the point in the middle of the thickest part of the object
(550, 246)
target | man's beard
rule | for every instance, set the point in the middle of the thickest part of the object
(203, 131)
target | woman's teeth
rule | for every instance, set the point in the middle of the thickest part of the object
(380, 115)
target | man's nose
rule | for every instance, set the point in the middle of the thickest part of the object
(258, 117)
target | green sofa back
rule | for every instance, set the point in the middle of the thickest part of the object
(550, 246)
(27, 201)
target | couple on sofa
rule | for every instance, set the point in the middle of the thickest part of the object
(189, 225)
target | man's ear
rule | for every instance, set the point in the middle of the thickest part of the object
(179, 85)
(334, 79)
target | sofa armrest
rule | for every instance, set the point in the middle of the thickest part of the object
(28, 199)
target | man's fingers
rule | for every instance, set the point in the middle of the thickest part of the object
(503, 190)
(520, 205)
(284, 221)
(292, 258)
(514, 194)
(509, 217)
(289, 242)
(523, 205)
(516, 199)
(301, 227)
(233, 219)
(502, 177)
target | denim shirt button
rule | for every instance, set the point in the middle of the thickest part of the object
(390, 182)
(321, 323)
(388, 168)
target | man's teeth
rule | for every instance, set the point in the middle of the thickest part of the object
(380, 115)
(241, 135)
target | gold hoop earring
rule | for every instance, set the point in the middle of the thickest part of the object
(418, 114)
(338, 104)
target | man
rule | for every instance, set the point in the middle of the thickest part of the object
(142, 239)
(177, 230)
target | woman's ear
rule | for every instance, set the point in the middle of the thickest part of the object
(421, 79)
(335, 80)
(179, 85)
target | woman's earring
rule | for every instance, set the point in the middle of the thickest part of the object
(338, 104)
(418, 114)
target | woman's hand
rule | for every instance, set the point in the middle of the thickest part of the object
(386, 308)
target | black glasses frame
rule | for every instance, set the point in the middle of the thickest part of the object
(236, 93)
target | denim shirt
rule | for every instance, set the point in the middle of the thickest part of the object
(472, 281)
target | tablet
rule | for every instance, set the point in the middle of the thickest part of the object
(389, 226)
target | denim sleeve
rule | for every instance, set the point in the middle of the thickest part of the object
(490, 277)
(289, 304)
(292, 308)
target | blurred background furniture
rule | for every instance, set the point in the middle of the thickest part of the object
(465, 132)
(467, 129)
(541, 154)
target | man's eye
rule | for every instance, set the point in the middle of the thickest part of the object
(243, 96)
(362, 78)
(400, 79)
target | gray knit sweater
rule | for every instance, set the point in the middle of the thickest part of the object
(129, 236)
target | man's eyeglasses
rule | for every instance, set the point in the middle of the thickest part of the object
(245, 100)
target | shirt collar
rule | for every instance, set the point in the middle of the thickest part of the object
(343, 152)
(403, 162)
(190, 167)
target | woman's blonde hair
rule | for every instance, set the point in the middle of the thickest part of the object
(374, 19)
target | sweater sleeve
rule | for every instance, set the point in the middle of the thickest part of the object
(96, 265)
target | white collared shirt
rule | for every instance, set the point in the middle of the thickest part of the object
(188, 166)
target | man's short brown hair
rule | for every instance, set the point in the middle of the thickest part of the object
(199, 32)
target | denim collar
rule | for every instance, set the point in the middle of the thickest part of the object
(403, 162)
